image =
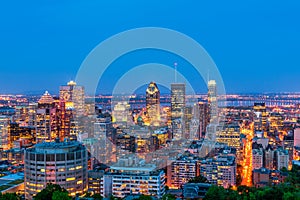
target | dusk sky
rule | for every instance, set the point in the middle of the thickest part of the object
(255, 44)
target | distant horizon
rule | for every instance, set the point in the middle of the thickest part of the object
(254, 44)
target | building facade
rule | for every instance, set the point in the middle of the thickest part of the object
(132, 176)
(62, 163)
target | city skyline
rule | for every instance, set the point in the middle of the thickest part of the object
(159, 100)
(250, 42)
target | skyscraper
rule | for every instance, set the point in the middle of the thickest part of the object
(213, 101)
(203, 117)
(260, 117)
(45, 129)
(103, 130)
(4, 137)
(73, 95)
(177, 109)
(153, 103)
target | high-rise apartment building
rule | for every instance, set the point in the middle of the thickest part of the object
(133, 176)
(220, 170)
(180, 171)
(62, 163)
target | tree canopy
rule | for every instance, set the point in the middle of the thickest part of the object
(53, 192)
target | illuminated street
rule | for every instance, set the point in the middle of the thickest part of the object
(247, 162)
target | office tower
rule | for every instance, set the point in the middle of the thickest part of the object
(269, 157)
(132, 176)
(297, 137)
(257, 158)
(4, 133)
(121, 113)
(220, 170)
(281, 158)
(213, 101)
(178, 110)
(44, 113)
(62, 163)
(260, 117)
(183, 169)
(153, 104)
(103, 132)
(73, 95)
(203, 118)
(64, 119)
(194, 123)
(230, 135)
(188, 115)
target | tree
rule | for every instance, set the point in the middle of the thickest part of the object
(145, 197)
(97, 197)
(47, 193)
(168, 197)
(9, 196)
(215, 192)
(60, 195)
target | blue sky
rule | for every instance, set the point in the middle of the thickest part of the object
(255, 44)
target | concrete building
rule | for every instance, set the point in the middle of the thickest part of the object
(73, 95)
(103, 149)
(132, 176)
(62, 163)
(178, 110)
(183, 169)
(230, 135)
(220, 170)
(213, 101)
(281, 159)
(4, 132)
(257, 158)
(261, 177)
(269, 157)
(153, 104)
(297, 137)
